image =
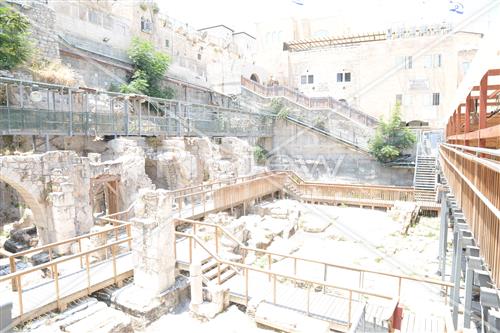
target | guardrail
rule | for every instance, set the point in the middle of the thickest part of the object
(400, 278)
(310, 102)
(310, 283)
(28, 107)
(475, 182)
(120, 234)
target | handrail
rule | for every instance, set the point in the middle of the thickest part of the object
(61, 259)
(296, 278)
(329, 264)
(274, 275)
(494, 210)
(487, 151)
(70, 240)
(246, 83)
(15, 277)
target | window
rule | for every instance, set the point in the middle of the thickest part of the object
(108, 22)
(146, 25)
(408, 62)
(82, 13)
(167, 43)
(435, 99)
(399, 99)
(344, 77)
(303, 79)
(432, 61)
(427, 60)
(199, 56)
(465, 66)
(437, 60)
(310, 79)
(95, 17)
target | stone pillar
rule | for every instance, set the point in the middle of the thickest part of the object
(61, 209)
(153, 233)
(196, 279)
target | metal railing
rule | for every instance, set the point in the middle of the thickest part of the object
(32, 108)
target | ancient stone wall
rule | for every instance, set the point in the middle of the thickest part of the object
(320, 158)
(43, 34)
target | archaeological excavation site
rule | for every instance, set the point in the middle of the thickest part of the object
(304, 169)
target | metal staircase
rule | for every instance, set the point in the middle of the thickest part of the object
(425, 177)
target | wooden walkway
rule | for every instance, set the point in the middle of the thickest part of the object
(42, 298)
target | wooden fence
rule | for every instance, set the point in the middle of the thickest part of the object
(475, 182)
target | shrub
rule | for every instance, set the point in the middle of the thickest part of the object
(15, 47)
(260, 154)
(54, 72)
(149, 69)
(391, 139)
(279, 108)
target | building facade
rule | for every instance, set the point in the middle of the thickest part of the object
(419, 68)
(213, 57)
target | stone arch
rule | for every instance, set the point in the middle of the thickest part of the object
(255, 78)
(32, 199)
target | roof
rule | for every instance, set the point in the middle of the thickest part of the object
(217, 26)
(306, 44)
(243, 33)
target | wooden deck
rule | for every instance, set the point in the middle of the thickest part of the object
(42, 298)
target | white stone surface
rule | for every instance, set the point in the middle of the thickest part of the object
(153, 233)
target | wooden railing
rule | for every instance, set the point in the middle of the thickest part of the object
(475, 182)
(113, 236)
(310, 102)
(273, 276)
(220, 231)
(476, 121)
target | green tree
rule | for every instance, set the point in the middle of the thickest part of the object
(391, 139)
(149, 69)
(15, 47)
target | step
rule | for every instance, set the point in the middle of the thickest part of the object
(212, 274)
(208, 265)
(227, 275)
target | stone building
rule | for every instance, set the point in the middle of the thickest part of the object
(419, 67)
(98, 33)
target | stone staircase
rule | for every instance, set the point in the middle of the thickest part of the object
(336, 126)
(210, 270)
(425, 180)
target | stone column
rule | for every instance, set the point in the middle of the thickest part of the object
(61, 208)
(153, 233)
(196, 285)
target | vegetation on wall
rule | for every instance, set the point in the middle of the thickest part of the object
(279, 108)
(391, 139)
(15, 47)
(150, 67)
(54, 72)
(260, 154)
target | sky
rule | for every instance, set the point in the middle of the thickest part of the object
(368, 15)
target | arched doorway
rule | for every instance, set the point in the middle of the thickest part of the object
(30, 227)
(255, 78)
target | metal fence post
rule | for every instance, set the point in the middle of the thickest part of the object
(70, 97)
